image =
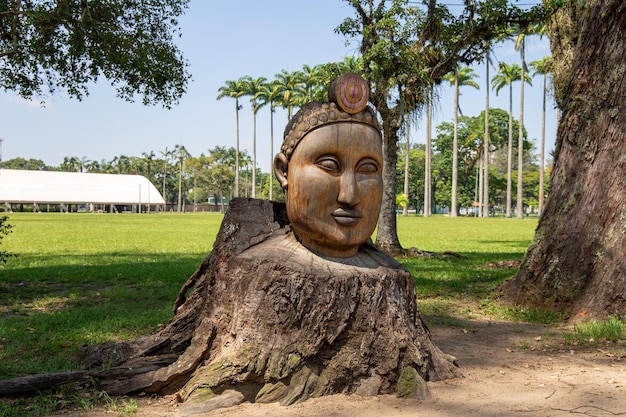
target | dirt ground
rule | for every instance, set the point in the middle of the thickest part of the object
(511, 369)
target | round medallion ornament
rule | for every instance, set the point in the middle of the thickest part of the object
(348, 96)
(350, 92)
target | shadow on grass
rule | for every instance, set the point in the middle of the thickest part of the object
(474, 275)
(48, 312)
(455, 291)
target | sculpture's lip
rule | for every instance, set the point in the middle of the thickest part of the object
(347, 217)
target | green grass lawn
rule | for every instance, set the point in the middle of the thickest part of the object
(89, 278)
(463, 285)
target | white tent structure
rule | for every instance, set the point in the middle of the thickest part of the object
(86, 190)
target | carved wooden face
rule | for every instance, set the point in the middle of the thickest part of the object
(334, 187)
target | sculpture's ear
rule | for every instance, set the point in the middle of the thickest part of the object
(280, 169)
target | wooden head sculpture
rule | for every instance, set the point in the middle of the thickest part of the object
(330, 167)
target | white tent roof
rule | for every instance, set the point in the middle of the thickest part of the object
(21, 186)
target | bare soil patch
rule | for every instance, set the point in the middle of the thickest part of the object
(511, 369)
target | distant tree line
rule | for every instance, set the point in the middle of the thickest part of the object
(181, 178)
(184, 179)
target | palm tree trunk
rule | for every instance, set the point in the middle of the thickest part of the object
(481, 184)
(271, 152)
(455, 147)
(254, 156)
(427, 168)
(180, 185)
(405, 210)
(520, 142)
(195, 198)
(543, 147)
(509, 166)
(485, 168)
(164, 175)
(237, 152)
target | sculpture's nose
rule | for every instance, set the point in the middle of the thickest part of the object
(348, 189)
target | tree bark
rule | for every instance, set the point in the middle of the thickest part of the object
(577, 263)
(387, 234)
(31, 383)
(485, 168)
(263, 319)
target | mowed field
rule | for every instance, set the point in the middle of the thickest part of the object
(82, 278)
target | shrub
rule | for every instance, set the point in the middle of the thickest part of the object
(5, 229)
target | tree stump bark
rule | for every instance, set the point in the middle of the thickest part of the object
(263, 319)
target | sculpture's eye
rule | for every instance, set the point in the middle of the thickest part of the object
(328, 163)
(367, 166)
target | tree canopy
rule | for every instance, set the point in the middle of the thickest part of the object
(47, 46)
(408, 49)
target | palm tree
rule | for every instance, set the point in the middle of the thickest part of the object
(69, 163)
(121, 164)
(312, 87)
(543, 67)
(520, 44)
(105, 167)
(246, 163)
(270, 94)
(506, 75)
(329, 72)
(253, 87)
(135, 165)
(181, 154)
(289, 83)
(459, 77)
(148, 158)
(351, 64)
(92, 166)
(82, 163)
(484, 195)
(234, 89)
(167, 154)
(407, 149)
(427, 161)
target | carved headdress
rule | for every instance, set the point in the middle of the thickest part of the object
(348, 96)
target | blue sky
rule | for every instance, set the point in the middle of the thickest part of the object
(223, 41)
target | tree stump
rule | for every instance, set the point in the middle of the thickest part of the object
(264, 319)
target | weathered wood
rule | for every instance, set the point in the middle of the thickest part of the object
(350, 93)
(279, 323)
(31, 384)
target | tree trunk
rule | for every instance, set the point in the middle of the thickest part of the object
(254, 154)
(542, 151)
(387, 234)
(520, 139)
(264, 320)
(577, 263)
(509, 159)
(455, 147)
(237, 149)
(485, 167)
(427, 163)
(407, 160)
